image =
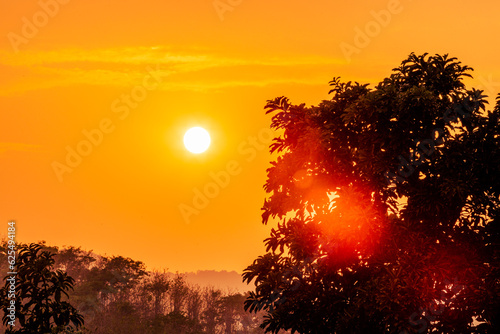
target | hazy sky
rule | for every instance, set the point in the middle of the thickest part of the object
(95, 97)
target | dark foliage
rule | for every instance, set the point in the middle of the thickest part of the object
(386, 201)
(41, 294)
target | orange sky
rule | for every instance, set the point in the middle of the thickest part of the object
(143, 72)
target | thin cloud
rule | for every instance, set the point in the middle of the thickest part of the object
(126, 66)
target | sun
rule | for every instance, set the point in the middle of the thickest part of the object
(197, 140)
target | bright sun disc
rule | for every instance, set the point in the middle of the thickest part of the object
(197, 140)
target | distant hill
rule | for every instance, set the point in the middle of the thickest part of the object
(224, 280)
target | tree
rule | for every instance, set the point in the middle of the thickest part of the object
(233, 315)
(75, 262)
(158, 286)
(109, 285)
(230, 305)
(40, 291)
(387, 208)
(179, 292)
(212, 313)
(194, 303)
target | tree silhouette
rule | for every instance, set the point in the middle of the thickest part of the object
(179, 293)
(158, 287)
(213, 310)
(117, 295)
(232, 307)
(194, 304)
(387, 208)
(40, 291)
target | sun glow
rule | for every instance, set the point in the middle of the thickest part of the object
(197, 140)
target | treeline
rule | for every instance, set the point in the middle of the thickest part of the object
(115, 294)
